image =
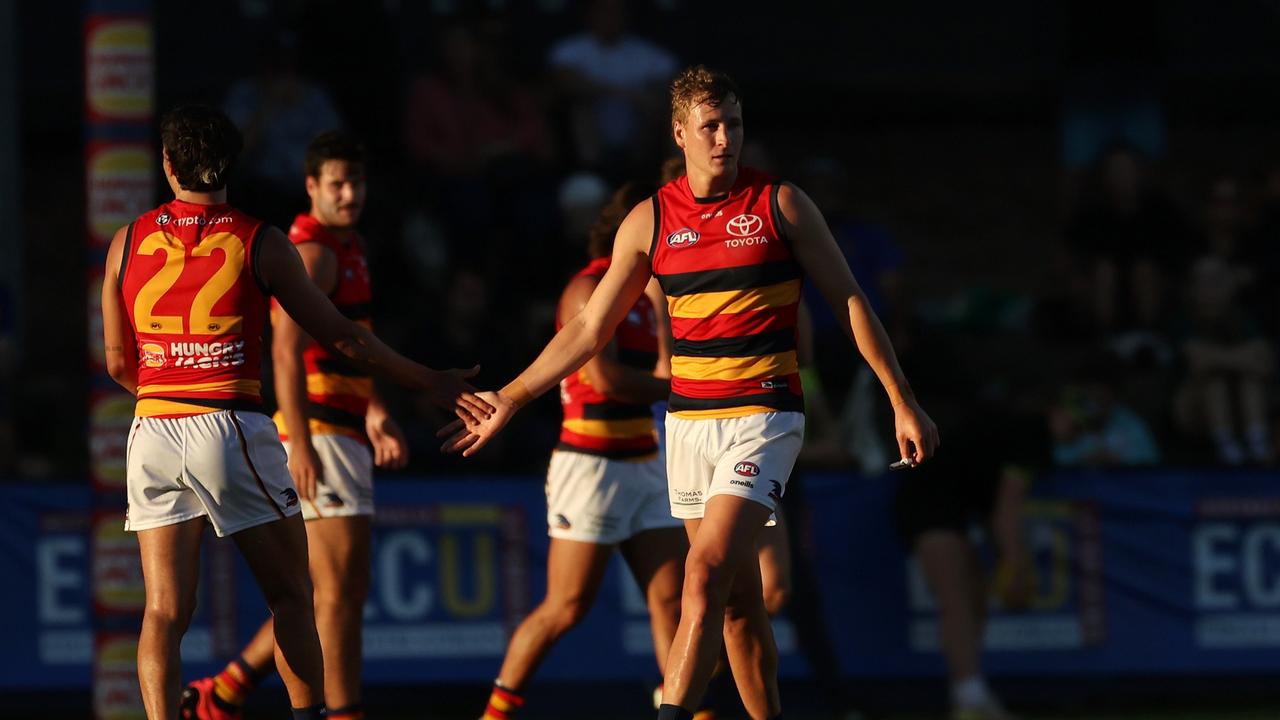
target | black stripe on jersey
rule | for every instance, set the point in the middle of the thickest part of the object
(640, 359)
(766, 343)
(238, 404)
(356, 311)
(778, 221)
(255, 254)
(124, 256)
(334, 366)
(615, 411)
(609, 454)
(334, 416)
(744, 277)
(780, 401)
(657, 227)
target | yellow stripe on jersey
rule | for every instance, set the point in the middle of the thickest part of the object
(616, 429)
(240, 386)
(701, 305)
(152, 407)
(326, 384)
(318, 427)
(722, 413)
(733, 368)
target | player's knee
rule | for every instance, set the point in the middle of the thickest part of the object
(172, 615)
(291, 594)
(565, 613)
(706, 584)
(776, 598)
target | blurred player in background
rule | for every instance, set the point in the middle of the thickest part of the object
(184, 305)
(730, 247)
(607, 484)
(335, 430)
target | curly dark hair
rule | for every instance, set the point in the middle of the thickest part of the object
(202, 144)
(600, 236)
(700, 84)
(333, 145)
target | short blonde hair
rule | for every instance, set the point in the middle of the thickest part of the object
(700, 84)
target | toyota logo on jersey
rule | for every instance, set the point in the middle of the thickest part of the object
(744, 225)
(684, 237)
(747, 469)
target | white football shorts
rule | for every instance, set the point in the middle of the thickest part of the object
(227, 465)
(750, 456)
(598, 500)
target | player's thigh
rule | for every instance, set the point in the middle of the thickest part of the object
(775, 555)
(656, 558)
(276, 553)
(338, 555)
(171, 567)
(726, 538)
(575, 570)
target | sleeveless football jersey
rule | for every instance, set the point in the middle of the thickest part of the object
(337, 392)
(190, 287)
(733, 290)
(595, 424)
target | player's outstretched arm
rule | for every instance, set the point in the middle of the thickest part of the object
(282, 272)
(117, 332)
(579, 339)
(605, 373)
(818, 254)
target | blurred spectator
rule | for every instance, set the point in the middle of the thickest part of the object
(1131, 241)
(975, 482)
(279, 111)
(468, 116)
(615, 83)
(1229, 365)
(1092, 428)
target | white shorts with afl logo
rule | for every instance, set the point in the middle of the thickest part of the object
(345, 487)
(598, 500)
(227, 465)
(749, 456)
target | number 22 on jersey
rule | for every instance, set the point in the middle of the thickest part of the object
(199, 319)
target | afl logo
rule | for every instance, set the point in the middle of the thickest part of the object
(744, 225)
(163, 219)
(747, 469)
(684, 237)
(153, 355)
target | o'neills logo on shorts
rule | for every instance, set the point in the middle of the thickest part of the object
(684, 237)
(747, 469)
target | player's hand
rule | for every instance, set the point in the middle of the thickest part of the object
(390, 449)
(468, 434)
(305, 467)
(916, 433)
(449, 389)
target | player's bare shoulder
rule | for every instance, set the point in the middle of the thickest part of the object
(636, 231)
(795, 206)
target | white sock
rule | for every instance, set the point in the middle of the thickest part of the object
(970, 692)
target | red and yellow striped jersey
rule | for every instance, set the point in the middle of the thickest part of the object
(198, 309)
(595, 424)
(733, 290)
(337, 393)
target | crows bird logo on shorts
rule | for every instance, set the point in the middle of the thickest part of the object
(290, 497)
(331, 500)
(776, 492)
(747, 469)
(563, 523)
